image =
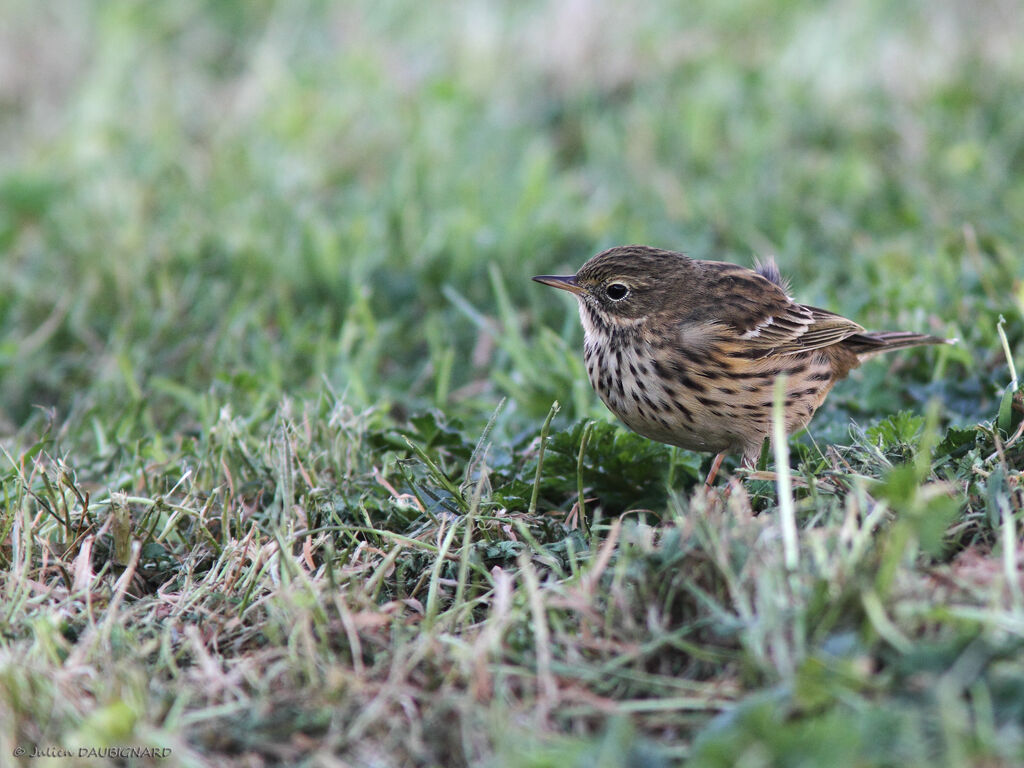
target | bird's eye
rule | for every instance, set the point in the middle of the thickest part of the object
(617, 291)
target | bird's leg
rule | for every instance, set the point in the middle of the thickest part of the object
(714, 470)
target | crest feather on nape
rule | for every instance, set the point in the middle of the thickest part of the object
(769, 270)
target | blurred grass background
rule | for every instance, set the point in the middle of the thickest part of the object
(210, 209)
(258, 197)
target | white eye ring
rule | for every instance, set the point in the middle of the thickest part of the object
(616, 291)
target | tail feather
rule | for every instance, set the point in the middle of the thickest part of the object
(864, 344)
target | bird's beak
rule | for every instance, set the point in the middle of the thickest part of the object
(565, 282)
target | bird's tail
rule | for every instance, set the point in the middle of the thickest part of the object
(865, 344)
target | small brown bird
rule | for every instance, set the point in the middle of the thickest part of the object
(686, 352)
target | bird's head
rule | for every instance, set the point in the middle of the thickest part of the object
(624, 286)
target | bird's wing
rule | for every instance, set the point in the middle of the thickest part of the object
(765, 320)
(801, 328)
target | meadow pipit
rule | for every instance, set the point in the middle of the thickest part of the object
(686, 352)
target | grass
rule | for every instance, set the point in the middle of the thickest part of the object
(283, 482)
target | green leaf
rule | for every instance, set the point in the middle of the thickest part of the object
(957, 441)
(903, 428)
(1005, 419)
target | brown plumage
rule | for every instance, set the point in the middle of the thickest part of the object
(687, 352)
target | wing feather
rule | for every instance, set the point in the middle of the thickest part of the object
(765, 320)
